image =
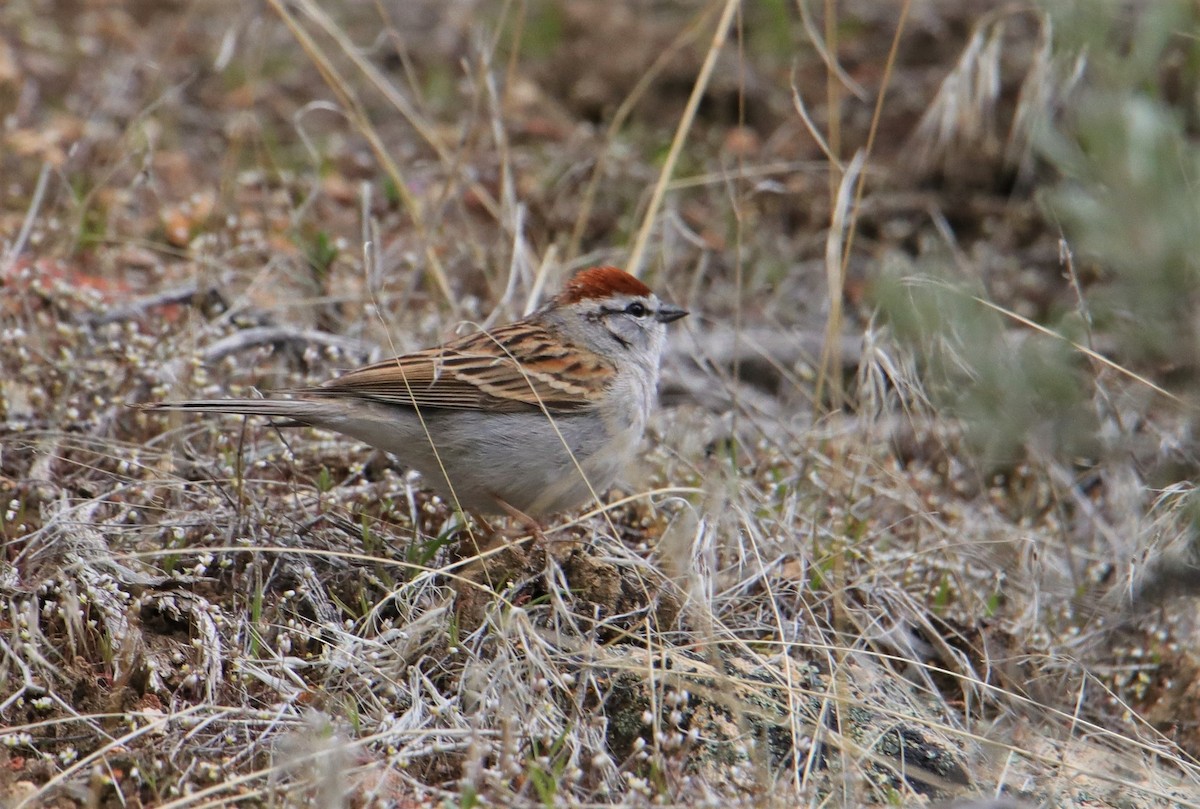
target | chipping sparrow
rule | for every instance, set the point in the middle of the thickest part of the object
(530, 418)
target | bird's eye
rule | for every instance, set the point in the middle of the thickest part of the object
(637, 309)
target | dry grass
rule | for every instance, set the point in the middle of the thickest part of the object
(835, 578)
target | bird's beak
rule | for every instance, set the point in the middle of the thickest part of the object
(668, 312)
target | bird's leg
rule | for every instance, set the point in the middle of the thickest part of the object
(489, 563)
(474, 547)
(473, 542)
(530, 524)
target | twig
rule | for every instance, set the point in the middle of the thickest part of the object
(188, 293)
(35, 204)
(261, 335)
(779, 347)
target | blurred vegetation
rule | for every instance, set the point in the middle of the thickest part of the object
(1127, 200)
(1118, 164)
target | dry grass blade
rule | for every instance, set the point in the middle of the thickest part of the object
(829, 369)
(362, 123)
(843, 227)
(687, 35)
(802, 111)
(721, 33)
(1087, 351)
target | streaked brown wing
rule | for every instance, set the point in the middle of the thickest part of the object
(478, 372)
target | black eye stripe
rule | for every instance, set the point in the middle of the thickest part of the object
(637, 309)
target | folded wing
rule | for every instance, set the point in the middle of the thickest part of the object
(479, 372)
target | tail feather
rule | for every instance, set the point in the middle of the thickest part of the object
(297, 410)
